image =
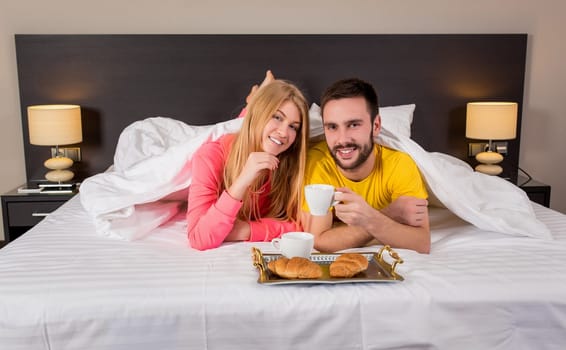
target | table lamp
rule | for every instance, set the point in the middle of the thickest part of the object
(55, 125)
(491, 121)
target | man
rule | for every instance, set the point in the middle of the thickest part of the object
(381, 193)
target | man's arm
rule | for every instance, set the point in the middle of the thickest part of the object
(354, 211)
(395, 234)
(407, 210)
(364, 223)
(330, 239)
(381, 228)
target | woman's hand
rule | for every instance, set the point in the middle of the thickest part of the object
(256, 163)
(269, 77)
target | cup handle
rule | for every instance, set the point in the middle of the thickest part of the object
(275, 243)
(334, 202)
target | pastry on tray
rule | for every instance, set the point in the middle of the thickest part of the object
(294, 268)
(348, 265)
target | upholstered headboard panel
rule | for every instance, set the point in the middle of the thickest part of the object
(203, 79)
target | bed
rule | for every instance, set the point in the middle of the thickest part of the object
(495, 277)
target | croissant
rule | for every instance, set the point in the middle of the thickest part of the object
(347, 265)
(296, 267)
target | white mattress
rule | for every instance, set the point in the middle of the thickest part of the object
(62, 286)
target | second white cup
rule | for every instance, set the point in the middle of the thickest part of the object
(293, 244)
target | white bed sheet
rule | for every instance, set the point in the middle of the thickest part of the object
(63, 286)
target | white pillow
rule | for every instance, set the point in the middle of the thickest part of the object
(315, 121)
(396, 119)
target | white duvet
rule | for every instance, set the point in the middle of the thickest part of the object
(148, 182)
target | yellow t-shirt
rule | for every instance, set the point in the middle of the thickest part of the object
(395, 174)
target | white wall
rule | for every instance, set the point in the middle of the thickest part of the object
(544, 124)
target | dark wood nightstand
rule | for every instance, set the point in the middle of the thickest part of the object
(22, 211)
(537, 191)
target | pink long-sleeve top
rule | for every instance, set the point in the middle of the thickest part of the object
(211, 217)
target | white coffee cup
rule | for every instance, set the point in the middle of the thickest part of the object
(320, 197)
(293, 244)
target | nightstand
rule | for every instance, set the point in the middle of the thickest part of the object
(537, 191)
(22, 211)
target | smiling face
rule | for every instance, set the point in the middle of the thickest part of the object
(349, 135)
(281, 130)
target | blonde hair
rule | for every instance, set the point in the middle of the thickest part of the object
(287, 179)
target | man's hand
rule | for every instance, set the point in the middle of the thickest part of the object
(352, 210)
(408, 210)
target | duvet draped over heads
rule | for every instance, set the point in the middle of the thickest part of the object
(148, 182)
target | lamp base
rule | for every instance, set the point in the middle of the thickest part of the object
(489, 169)
(59, 166)
(59, 175)
(488, 163)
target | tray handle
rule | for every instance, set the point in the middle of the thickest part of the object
(394, 255)
(259, 263)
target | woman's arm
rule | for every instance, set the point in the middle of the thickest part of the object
(210, 217)
(268, 228)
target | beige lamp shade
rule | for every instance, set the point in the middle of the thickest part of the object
(53, 125)
(491, 120)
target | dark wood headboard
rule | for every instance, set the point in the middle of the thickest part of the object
(203, 79)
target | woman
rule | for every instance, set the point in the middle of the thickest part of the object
(248, 186)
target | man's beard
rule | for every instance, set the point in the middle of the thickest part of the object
(365, 152)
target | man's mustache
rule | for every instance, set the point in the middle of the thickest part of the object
(346, 145)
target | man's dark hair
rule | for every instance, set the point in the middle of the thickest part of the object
(352, 87)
